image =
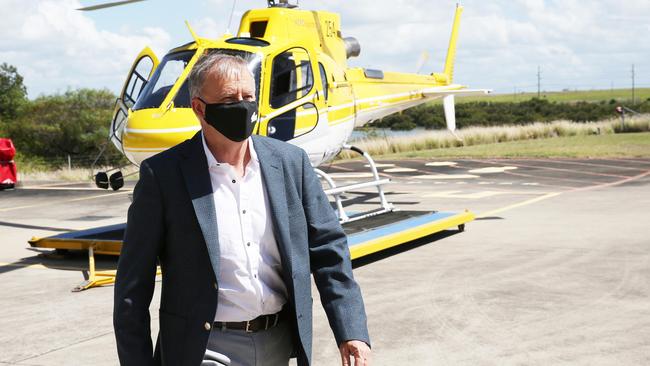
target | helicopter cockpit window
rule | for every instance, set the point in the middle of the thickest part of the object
(323, 78)
(292, 77)
(170, 69)
(137, 81)
(293, 123)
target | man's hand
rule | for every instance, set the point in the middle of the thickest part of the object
(358, 350)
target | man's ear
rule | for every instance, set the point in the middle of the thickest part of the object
(198, 107)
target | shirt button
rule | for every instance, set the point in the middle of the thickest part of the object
(249, 243)
(207, 326)
(216, 287)
(234, 181)
(255, 276)
(243, 211)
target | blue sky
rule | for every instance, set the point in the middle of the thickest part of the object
(577, 44)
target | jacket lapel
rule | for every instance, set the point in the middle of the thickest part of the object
(273, 179)
(197, 179)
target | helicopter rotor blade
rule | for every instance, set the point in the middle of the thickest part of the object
(424, 57)
(108, 5)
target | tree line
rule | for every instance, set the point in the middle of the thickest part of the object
(75, 123)
(44, 130)
(484, 113)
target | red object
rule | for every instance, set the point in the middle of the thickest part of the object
(8, 172)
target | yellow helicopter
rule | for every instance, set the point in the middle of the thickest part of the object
(307, 94)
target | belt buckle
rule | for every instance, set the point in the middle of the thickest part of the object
(248, 326)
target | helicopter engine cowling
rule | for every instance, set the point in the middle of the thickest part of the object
(352, 47)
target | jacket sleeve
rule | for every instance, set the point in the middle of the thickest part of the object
(330, 262)
(136, 272)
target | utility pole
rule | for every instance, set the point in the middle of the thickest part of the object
(633, 96)
(539, 82)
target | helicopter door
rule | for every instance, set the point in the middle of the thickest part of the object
(141, 70)
(293, 97)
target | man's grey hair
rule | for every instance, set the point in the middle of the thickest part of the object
(224, 65)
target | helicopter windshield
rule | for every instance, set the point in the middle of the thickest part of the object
(170, 69)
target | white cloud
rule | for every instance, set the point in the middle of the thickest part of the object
(222, 19)
(208, 28)
(56, 47)
(576, 43)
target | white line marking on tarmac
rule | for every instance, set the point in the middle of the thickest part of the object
(400, 170)
(530, 184)
(445, 176)
(334, 166)
(441, 163)
(53, 184)
(41, 266)
(350, 175)
(553, 194)
(45, 188)
(492, 169)
(574, 171)
(561, 161)
(65, 201)
(380, 165)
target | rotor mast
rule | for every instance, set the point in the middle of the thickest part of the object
(281, 4)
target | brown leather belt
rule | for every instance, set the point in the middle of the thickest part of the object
(262, 322)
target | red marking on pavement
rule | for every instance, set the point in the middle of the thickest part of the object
(590, 164)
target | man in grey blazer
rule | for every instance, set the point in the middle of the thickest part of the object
(237, 224)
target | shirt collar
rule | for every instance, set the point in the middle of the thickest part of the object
(212, 161)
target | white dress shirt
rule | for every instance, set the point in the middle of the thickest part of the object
(250, 273)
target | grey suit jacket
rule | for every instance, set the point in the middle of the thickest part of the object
(172, 221)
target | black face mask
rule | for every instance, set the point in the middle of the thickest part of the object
(236, 120)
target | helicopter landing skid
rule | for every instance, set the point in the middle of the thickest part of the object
(337, 191)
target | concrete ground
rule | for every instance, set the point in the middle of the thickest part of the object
(555, 270)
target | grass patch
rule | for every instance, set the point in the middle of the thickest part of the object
(490, 136)
(39, 173)
(620, 95)
(624, 145)
(35, 168)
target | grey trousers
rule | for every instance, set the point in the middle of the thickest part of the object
(271, 347)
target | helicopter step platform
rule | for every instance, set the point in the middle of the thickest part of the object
(366, 236)
(376, 233)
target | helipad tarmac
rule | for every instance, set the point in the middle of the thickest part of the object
(555, 270)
